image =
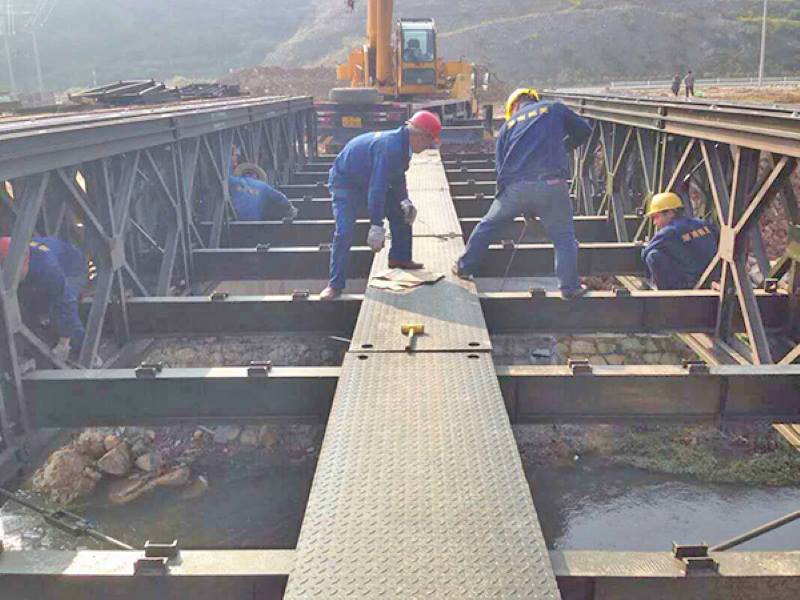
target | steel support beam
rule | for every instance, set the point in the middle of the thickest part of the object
(505, 312)
(532, 260)
(74, 398)
(536, 394)
(248, 234)
(532, 393)
(213, 574)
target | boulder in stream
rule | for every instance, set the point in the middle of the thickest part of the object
(64, 476)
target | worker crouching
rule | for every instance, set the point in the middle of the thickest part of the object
(682, 247)
(372, 169)
(532, 174)
(53, 275)
(252, 198)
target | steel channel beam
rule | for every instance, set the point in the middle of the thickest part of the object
(608, 312)
(48, 147)
(531, 260)
(197, 315)
(547, 394)
(248, 234)
(505, 312)
(77, 398)
(745, 127)
(228, 573)
(196, 574)
(532, 394)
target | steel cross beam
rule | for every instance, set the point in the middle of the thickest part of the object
(213, 574)
(248, 234)
(505, 312)
(533, 394)
(532, 260)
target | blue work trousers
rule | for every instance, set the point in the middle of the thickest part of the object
(548, 200)
(345, 205)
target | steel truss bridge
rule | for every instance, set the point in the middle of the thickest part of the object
(419, 489)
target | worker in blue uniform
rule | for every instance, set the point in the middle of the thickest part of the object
(682, 247)
(532, 174)
(53, 275)
(252, 198)
(371, 170)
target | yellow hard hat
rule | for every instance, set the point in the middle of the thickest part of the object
(516, 95)
(664, 201)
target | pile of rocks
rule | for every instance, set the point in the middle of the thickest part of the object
(134, 461)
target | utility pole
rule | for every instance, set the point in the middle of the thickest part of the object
(763, 45)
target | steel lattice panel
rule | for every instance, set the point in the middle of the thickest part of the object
(419, 491)
(450, 309)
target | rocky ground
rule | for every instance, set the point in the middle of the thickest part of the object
(127, 463)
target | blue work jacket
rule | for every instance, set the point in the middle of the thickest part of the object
(533, 144)
(678, 254)
(251, 198)
(369, 166)
(56, 274)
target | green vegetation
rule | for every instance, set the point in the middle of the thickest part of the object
(766, 459)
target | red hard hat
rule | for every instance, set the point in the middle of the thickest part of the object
(428, 122)
(5, 244)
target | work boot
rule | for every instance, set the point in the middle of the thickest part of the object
(405, 264)
(330, 293)
(291, 214)
(581, 291)
(460, 274)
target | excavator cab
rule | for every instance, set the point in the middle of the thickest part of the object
(416, 57)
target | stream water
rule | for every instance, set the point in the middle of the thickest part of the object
(587, 506)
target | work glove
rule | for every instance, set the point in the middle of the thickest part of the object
(409, 211)
(376, 238)
(291, 213)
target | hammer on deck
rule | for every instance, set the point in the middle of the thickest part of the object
(411, 330)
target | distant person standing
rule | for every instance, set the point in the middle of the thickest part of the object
(676, 84)
(689, 82)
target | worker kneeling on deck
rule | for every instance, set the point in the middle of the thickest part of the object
(252, 198)
(372, 169)
(53, 275)
(532, 173)
(682, 248)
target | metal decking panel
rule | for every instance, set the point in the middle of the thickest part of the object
(430, 191)
(419, 490)
(450, 309)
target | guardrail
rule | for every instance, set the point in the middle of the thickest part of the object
(719, 81)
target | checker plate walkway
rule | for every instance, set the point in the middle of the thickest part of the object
(419, 491)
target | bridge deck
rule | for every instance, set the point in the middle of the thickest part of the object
(419, 490)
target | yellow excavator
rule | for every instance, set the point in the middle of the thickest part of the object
(409, 69)
(389, 81)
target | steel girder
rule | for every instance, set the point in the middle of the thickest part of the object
(213, 574)
(127, 188)
(248, 234)
(531, 260)
(505, 312)
(533, 394)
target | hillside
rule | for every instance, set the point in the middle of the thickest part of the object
(543, 41)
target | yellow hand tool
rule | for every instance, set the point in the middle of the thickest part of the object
(411, 330)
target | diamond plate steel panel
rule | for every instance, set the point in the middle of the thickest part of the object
(429, 190)
(419, 491)
(450, 309)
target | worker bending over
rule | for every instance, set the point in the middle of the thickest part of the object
(532, 173)
(372, 169)
(53, 275)
(251, 197)
(682, 248)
